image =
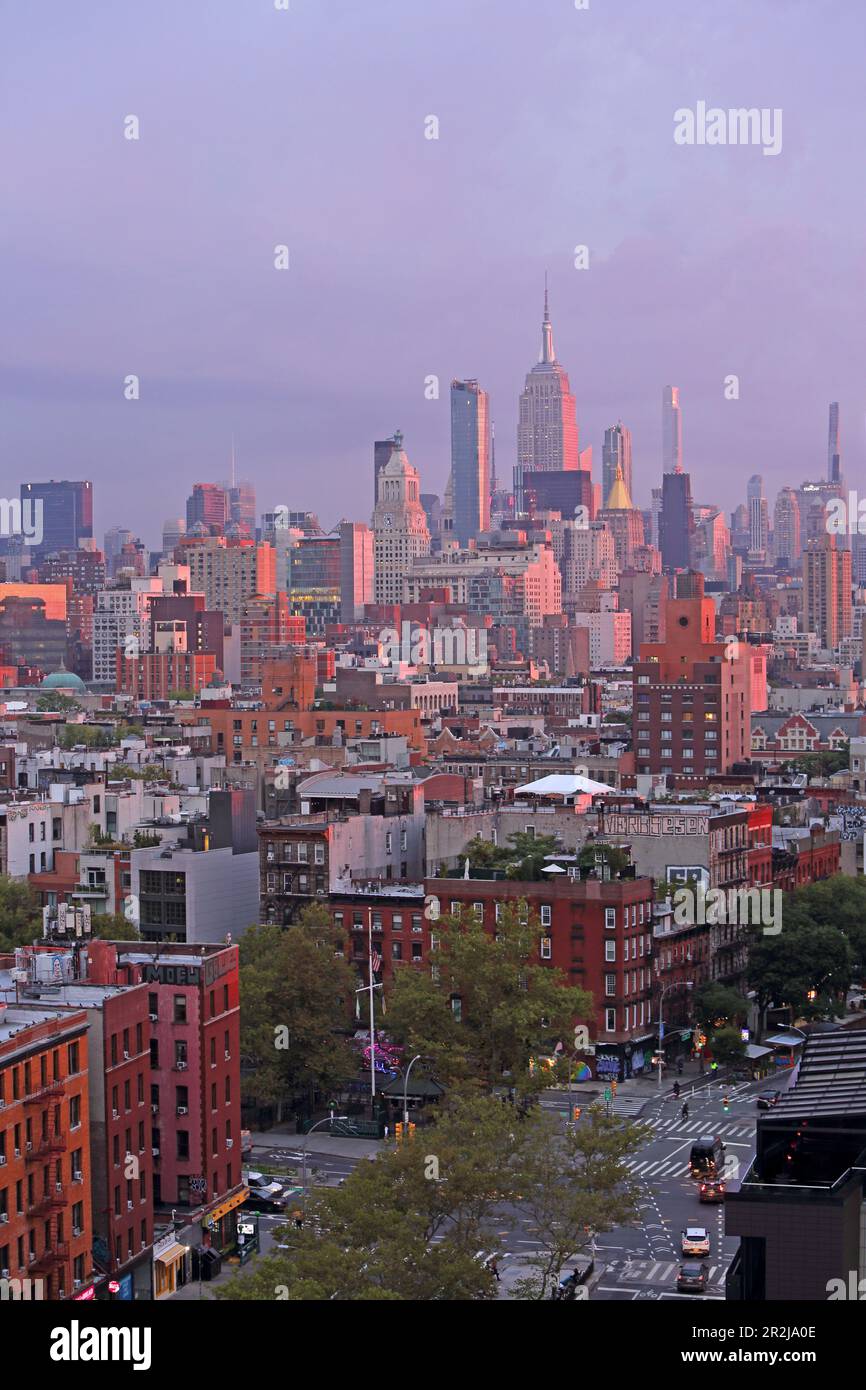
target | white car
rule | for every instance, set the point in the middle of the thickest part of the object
(695, 1242)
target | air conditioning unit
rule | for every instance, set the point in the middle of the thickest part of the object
(2, 1160)
(155, 1153)
(29, 1145)
(181, 1066)
(2, 1105)
(229, 1143)
(4, 1218)
(76, 1231)
(182, 1110)
(126, 1056)
(76, 1283)
(154, 1018)
(228, 1056)
(77, 1176)
(4, 1274)
(129, 1206)
(115, 1114)
(17, 1153)
(58, 1187)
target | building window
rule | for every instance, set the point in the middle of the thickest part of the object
(180, 1008)
(545, 914)
(610, 1020)
(545, 948)
(610, 985)
(610, 950)
(610, 917)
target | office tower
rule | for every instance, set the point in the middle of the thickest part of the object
(173, 531)
(814, 498)
(759, 525)
(644, 596)
(470, 460)
(588, 552)
(399, 525)
(63, 513)
(676, 521)
(655, 517)
(672, 431)
(356, 570)
(834, 456)
(616, 452)
(624, 520)
(228, 572)
(315, 581)
(547, 438)
(241, 499)
(712, 544)
(786, 527)
(692, 694)
(382, 451)
(735, 572)
(557, 492)
(827, 603)
(116, 537)
(207, 506)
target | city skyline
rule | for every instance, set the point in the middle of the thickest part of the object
(166, 266)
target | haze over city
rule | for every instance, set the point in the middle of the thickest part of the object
(412, 256)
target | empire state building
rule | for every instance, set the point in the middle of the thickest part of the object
(547, 427)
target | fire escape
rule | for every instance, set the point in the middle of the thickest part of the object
(53, 1263)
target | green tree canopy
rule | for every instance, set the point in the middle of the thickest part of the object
(805, 966)
(715, 1004)
(488, 1005)
(20, 913)
(295, 993)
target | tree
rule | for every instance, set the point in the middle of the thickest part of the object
(113, 926)
(807, 967)
(408, 1226)
(488, 1005)
(727, 1046)
(294, 991)
(838, 902)
(56, 703)
(20, 914)
(592, 854)
(715, 1004)
(572, 1188)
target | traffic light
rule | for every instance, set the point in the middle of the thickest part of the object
(398, 1132)
(726, 1105)
(411, 1130)
(575, 1112)
(613, 1087)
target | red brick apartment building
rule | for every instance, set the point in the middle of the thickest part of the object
(600, 935)
(45, 1204)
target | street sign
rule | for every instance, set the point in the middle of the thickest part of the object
(608, 1094)
(685, 1035)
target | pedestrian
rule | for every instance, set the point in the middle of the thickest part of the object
(676, 1090)
(684, 1113)
(494, 1270)
(679, 1066)
(299, 1220)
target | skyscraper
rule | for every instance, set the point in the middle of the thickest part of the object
(616, 452)
(827, 605)
(207, 505)
(759, 523)
(356, 570)
(834, 456)
(399, 525)
(676, 521)
(66, 511)
(382, 451)
(470, 460)
(672, 431)
(786, 527)
(547, 428)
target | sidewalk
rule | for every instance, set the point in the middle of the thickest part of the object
(321, 1142)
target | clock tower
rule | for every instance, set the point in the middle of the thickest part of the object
(400, 531)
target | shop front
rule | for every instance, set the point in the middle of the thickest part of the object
(171, 1265)
(219, 1226)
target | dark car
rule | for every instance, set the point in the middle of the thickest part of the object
(692, 1277)
(767, 1099)
(711, 1190)
(268, 1199)
(707, 1159)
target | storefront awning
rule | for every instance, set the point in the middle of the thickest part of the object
(172, 1254)
(228, 1205)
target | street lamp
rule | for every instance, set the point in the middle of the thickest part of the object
(328, 1121)
(406, 1088)
(675, 984)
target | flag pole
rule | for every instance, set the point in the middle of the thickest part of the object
(370, 978)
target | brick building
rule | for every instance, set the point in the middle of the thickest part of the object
(45, 1204)
(600, 935)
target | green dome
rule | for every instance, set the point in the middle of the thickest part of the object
(64, 680)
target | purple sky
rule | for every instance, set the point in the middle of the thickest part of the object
(411, 257)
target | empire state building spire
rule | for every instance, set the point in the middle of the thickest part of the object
(547, 352)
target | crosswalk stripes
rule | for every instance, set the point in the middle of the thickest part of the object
(658, 1272)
